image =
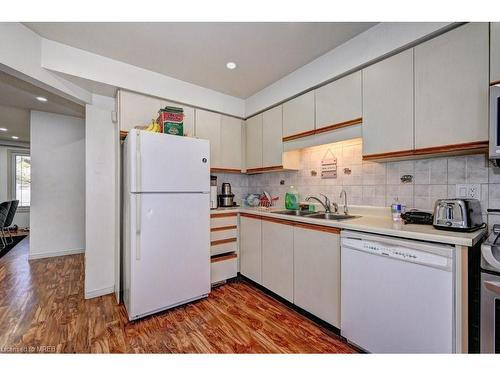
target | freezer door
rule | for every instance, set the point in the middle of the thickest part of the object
(170, 257)
(168, 163)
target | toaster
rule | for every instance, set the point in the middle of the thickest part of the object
(458, 214)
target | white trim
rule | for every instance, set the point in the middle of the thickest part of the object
(51, 254)
(99, 292)
(11, 175)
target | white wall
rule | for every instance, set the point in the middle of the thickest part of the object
(22, 218)
(20, 55)
(57, 185)
(100, 204)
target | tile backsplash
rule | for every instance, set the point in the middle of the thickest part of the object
(378, 183)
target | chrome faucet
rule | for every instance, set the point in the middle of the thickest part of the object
(326, 205)
(346, 210)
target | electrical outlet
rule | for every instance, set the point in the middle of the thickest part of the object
(468, 191)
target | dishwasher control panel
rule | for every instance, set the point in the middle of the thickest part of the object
(397, 252)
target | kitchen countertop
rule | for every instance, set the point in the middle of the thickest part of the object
(370, 223)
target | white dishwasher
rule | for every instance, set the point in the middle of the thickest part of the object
(397, 296)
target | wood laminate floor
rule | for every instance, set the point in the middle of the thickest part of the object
(42, 309)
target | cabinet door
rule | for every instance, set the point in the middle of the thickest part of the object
(495, 52)
(298, 115)
(339, 101)
(317, 273)
(451, 87)
(277, 258)
(208, 126)
(388, 105)
(254, 142)
(231, 129)
(251, 248)
(272, 137)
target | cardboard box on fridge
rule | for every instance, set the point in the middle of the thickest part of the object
(171, 120)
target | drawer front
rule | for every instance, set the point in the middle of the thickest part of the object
(218, 221)
(223, 247)
(223, 269)
(218, 235)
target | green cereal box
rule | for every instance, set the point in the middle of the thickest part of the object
(171, 120)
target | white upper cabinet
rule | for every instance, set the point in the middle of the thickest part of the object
(451, 87)
(277, 258)
(339, 101)
(254, 142)
(272, 137)
(208, 126)
(231, 141)
(225, 134)
(298, 115)
(388, 105)
(495, 52)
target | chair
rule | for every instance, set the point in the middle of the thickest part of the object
(4, 212)
(10, 219)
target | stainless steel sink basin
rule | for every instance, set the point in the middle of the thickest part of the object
(293, 213)
(331, 216)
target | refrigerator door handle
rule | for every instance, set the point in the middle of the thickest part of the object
(138, 176)
(138, 227)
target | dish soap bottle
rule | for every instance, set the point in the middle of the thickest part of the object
(292, 199)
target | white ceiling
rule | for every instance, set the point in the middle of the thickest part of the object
(198, 52)
(18, 97)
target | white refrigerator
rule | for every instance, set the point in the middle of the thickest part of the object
(166, 222)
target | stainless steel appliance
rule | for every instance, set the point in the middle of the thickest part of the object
(458, 214)
(494, 151)
(213, 192)
(226, 198)
(490, 293)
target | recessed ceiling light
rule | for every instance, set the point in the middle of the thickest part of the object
(15, 137)
(3, 129)
(231, 65)
(41, 99)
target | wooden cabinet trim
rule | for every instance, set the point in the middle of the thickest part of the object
(299, 135)
(250, 216)
(226, 214)
(277, 221)
(324, 129)
(225, 170)
(264, 169)
(220, 242)
(340, 125)
(218, 229)
(470, 147)
(319, 228)
(220, 258)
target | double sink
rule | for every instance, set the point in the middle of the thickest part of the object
(316, 215)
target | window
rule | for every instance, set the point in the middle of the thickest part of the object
(21, 178)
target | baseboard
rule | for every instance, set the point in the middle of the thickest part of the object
(99, 292)
(55, 254)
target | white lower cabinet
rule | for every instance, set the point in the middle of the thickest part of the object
(251, 247)
(317, 273)
(299, 262)
(277, 258)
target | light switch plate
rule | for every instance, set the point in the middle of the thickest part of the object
(472, 191)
